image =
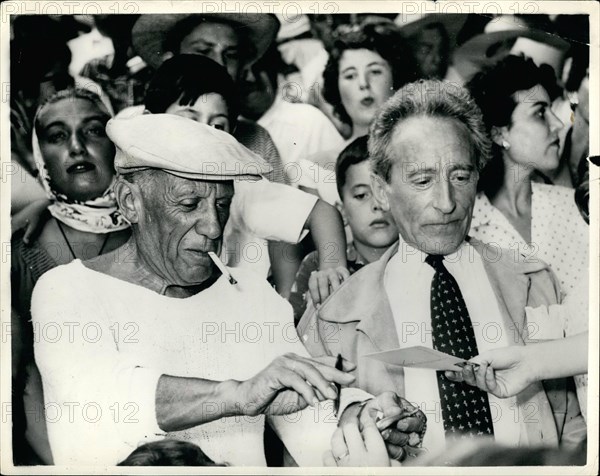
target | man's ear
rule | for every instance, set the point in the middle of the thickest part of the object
(379, 187)
(127, 197)
(498, 135)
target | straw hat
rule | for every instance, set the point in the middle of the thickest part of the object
(509, 35)
(150, 32)
(411, 23)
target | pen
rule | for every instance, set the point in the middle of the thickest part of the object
(219, 264)
(339, 365)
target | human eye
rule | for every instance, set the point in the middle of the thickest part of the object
(223, 204)
(232, 54)
(221, 125)
(56, 136)
(461, 176)
(422, 181)
(349, 75)
(541, 112)
(188, 204)
(362, 195)
(96, 130)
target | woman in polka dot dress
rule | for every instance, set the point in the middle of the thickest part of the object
(536, 220)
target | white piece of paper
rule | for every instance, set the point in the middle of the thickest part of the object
(419, 357)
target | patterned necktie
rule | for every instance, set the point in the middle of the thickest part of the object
(465, 409)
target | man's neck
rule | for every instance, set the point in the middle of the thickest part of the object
(127, 263)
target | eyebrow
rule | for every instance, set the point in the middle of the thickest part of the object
(372, 63)
(60, 122)
(359, 185)
(451, 168)
(540, 103)
(421, 170)
(212, 43)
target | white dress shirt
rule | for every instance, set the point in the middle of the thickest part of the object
(407, 283)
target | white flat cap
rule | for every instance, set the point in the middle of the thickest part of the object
(181, 147)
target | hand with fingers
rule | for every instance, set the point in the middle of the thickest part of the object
(324, 282)
(402, 425)
(352, 447)
(502, 372)
(290, 384)
(31, 219)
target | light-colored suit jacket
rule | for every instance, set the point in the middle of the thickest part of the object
(357, 320)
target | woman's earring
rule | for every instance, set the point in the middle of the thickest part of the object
(505, 145)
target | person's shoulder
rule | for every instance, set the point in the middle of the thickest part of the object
(72, 274)
(553, 192)
(495, 257)
(557, 204)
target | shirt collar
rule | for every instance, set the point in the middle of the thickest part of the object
(415, 257)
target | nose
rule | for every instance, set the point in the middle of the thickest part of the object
(209, 224)
(443, 199)
(363, 81)
(76, 145)
(555, 123)
(375, 205)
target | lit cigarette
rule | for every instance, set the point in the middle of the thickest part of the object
(219, 264)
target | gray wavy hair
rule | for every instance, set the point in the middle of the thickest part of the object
(430, 98)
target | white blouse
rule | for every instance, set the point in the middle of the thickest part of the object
(559, 237)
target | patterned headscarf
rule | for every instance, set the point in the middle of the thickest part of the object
(99, 215)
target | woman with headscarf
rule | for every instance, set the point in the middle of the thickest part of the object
(74, 158)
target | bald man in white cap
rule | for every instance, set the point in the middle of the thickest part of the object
(165, 342)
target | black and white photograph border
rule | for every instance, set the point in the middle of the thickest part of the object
(290, 13)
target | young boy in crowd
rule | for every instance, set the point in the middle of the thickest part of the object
(372, 230)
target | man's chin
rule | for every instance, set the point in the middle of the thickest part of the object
(440, 245)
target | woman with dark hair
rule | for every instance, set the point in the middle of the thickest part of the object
(515, 98)
(74, 160)
(540, 221)
(367, 63)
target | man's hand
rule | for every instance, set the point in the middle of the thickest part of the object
(324, 282)
(502, 372)
(352, 447)
(402, 425)
(291, 383)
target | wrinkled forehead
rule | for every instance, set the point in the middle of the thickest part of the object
(175, 185)
(427, 140)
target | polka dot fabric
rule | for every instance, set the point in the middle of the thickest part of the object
(559, 236)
